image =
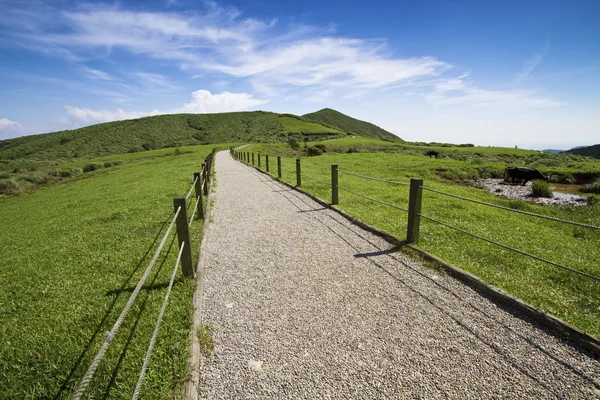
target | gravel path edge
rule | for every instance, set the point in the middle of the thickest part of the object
(516, 306)
(195, 358)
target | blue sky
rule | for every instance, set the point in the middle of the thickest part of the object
(504, 73)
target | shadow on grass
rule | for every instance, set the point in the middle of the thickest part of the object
(69, 379)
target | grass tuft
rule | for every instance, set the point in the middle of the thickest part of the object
(205, 339)
(540, 188)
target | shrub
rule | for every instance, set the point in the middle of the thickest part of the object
(36, 178)
(10, 186)
(540, 188)
(353, 150)
(92, 167)
(4, 175)
(322, 147)
(314, 151)
(591, 188)
(294, 145)
(593, 200)
(69, 172)
(107, 164)
(118, 162)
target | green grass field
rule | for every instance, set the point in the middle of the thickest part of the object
(72, 254)
(568, 296)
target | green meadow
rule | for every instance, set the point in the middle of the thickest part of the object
(569, 296)
(72, 253)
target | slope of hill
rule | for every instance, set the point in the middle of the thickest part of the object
(592, 151)
(144, 134)
(351, 125)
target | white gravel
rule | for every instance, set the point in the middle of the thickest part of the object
(306, 305)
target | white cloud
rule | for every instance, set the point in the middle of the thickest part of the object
(8, 125)
(88, 116)
(202, 102)
(205, 102)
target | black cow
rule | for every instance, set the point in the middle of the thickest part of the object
(515, 174)
(432, 153)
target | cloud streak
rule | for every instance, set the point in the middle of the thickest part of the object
(532, 63)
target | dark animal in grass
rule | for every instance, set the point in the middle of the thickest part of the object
(518, 174)
(433, 153)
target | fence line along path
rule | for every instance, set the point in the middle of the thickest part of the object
(304, 304)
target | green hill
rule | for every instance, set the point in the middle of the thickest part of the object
(592, 151)
(351, 125)
(149, 133)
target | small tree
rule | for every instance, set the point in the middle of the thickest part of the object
(293, 143)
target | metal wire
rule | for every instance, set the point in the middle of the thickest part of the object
(192, 188)
(316, 180)
(194, 212)
(372, 199)
(291, 171)
(108, 337)
(513, 210)
(138, 386)
(513, 249)
(374, 179)
(315, 166)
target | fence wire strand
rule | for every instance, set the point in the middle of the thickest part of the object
(138, 386)
(374, 179)
(108, 337)
(315, 166)
(187, 196)
(195, 209)
(513, 249)
(513, 210)
(372, 199)
(316, 180)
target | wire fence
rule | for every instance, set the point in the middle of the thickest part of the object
(414, 208)
(183, 226)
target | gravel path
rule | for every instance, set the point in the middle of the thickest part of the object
(306, 305)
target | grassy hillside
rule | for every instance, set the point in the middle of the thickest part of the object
(294, 124)
(351, 125)
(142, 134)
(591, 151)
(71, 256)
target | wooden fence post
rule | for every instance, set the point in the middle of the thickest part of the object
(252, 158)
(267, 162)
(258, 160)
(279, 167)
(414, 209)
(183, 234)
(200, 208)
(298, 174)
(334, 184)
(204, 179)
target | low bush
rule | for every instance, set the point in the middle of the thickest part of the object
(93, 166)
(69, 172)
(107, 164)
(540, 188)
(593, 200)
(10, 186)
(591, 188)
(314, 151)
(322, 147)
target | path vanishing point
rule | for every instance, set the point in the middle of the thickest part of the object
(305, 305)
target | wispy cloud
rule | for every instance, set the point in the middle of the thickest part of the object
(532, 63)
(155, 80)
(460, 92)
(96, 74)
